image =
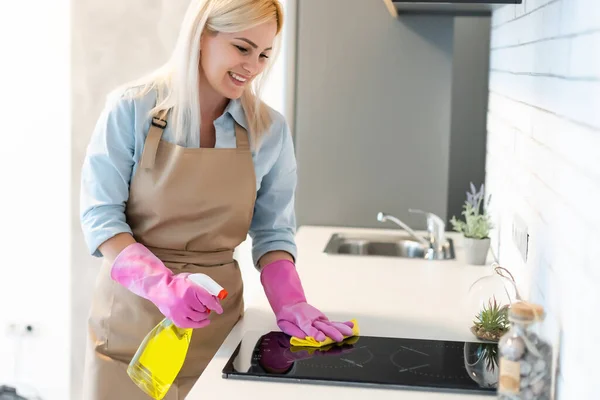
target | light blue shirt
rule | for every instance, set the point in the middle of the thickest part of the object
(114, 153)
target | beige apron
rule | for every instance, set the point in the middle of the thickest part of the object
(191, 207)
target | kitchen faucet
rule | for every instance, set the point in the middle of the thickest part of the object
(435, 229)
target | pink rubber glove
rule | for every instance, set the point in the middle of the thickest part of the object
(294, 315)
(185, 303)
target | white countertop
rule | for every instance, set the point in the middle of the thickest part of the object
(389, 296)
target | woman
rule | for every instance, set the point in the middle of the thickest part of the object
(182, 165)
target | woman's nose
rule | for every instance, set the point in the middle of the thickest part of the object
(251, 67)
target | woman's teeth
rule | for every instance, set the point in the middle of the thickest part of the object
(237, 77)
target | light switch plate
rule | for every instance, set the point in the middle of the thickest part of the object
(520, 236)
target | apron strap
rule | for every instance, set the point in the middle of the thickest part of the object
(241, 137)
(159, 123)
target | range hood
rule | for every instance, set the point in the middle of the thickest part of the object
(447, 7)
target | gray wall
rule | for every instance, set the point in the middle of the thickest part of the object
(378, 101)
(113, 41)
(469, 108)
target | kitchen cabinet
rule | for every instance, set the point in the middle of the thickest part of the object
(389, 114)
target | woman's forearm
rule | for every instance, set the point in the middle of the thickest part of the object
(111, 248)
(274, 256)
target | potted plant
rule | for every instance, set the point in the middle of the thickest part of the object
(476, 226)
(491, 322)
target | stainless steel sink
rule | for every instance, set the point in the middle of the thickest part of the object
(384, 245)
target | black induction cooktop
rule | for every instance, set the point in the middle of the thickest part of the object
(369, 361)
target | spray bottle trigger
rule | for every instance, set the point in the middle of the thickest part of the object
(209, 285)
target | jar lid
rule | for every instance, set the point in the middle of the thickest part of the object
(526, 311)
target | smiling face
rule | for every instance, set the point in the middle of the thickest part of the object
(230, 61)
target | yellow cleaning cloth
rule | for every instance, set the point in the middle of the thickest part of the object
(324, 349)
(311, 342)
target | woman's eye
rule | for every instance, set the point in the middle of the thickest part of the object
(240, 48)
(264, 56)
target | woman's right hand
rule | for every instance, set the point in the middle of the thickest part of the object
(185, 303)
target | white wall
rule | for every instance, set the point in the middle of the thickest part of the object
(543, 164)
(34, 171)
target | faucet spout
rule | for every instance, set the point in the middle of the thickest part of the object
(382, 217)
(435, 226)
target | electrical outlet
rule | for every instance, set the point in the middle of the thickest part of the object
(20, 329)
(520, 236)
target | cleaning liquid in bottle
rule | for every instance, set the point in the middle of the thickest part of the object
(161, 354)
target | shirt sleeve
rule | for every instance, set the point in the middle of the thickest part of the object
(273, 224)
(106, 173)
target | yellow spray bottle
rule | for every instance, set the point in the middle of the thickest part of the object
(161, 354)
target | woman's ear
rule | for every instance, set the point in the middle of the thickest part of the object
(202, 39)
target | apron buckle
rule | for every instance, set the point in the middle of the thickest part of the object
(159, 122)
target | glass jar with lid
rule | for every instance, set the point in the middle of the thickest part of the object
(526, 360)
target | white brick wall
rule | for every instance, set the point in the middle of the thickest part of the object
(543, 165)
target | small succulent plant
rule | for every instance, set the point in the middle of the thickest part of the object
(492, 321)
(477, 223)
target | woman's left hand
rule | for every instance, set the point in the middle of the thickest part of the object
(294, 315)
(303, 320)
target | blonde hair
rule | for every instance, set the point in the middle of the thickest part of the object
(176, 82)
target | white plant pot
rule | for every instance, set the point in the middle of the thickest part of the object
(476, 250)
